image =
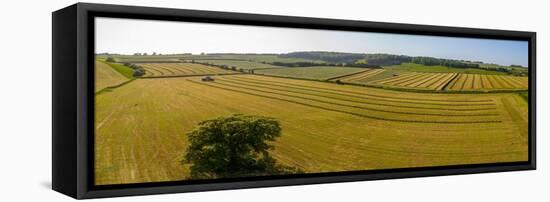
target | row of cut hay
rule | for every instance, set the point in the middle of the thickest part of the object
(362, 92)
(395, 78)
(517, 82)
(487, 82)
(354, 109)
(346, 101)
(179, 69)
(406, 81)
(424, 82)
(362, 75)
(352, 76)
(457, 83)
(477, 82)
(411, 81)
(366, 99)
(469, 82)
(439, 85)
(430, 83)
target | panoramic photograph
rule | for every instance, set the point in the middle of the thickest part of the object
(178, 101)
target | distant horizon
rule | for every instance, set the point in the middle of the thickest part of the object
(129, 36)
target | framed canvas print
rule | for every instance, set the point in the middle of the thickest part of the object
(155, 100)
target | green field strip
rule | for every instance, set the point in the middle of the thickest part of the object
(263, 89)
(366, 93)
(346, 112)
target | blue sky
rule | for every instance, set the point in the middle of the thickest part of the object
(127, 36)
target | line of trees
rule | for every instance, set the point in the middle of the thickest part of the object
(330, 57)
(138, 70)
(430, 61)
(311, 64)
(384, 59)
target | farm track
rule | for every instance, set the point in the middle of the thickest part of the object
(236, 88)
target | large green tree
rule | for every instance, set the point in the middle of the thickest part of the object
(234, 146)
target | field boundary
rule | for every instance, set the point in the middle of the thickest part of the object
(110, 88)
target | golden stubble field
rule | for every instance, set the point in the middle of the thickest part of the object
(141, 127)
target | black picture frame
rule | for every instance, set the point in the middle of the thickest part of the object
(73, 99)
